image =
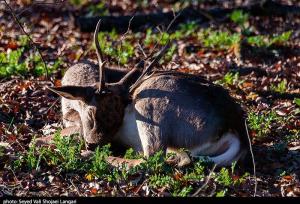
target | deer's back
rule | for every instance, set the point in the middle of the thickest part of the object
(187, 109)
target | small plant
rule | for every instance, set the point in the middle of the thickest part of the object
(173, 185)
(281, 87)
(121, 51)
(155, 163)
(260, 123)
(229, 79)
(224, 178)
(267, 41)
(18, 163)
(23, 40)
(153, 38)
(158, 181)
(222, 193)
(259, 41)
(66, 153)
(239, 17)
(131, 154)
(11, 63)
(78, 2)
(32, 157)
(170, 53)
(99, 166)
(297, 101)
(97, 9)
(294, 135)
(281, 39)
(218, 39)
(188, 29)
(197, 172)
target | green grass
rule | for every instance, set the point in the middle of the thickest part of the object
(269, 40)
(64, 157)
(297, 101)
(229, 79)
(12, 62)
(78, 2)
(218, 39)
(97, 9)
(280, 87)
(121, 52)
(239, 17)
(261, 123)
(175, 187)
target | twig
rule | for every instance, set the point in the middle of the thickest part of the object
(80, 194)
(123, 37)
(30, 39)
(139, 188)
(52, 105)
(205, 183)
(150, 66)
(158, 57)
(142, 50)
(253, 161)
(128, 28)
(167, 30)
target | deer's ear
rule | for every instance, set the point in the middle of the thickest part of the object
(83, 93)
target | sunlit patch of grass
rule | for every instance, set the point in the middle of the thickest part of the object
(239, 17)
(12, 62)
(218, 39)
(63, 155)
(78, 2)
(120, 51)
(166, 181)
(280, 87)
(260, 123)
(267, 40)
(229, 79)
(97, 9)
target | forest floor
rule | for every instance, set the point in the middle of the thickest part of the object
(255, 56)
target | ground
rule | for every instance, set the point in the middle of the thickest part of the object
(255, 56)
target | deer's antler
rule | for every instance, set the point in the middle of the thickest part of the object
(100, 57)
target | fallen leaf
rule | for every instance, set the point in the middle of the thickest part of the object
(12, 45)
(89, 177)
(288, 177)
(94, 191)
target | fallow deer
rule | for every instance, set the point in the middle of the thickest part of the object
(166, 110)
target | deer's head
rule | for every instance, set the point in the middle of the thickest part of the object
(102, 105)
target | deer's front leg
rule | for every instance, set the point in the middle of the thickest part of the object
(151, 138)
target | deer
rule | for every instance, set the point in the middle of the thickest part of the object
(164, 110)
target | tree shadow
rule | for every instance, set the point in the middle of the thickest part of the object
(267, 55)
(276, 160)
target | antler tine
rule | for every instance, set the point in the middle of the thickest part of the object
(149, 68)
(156, 59)
(100, 57)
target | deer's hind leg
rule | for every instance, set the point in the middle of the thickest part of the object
(153, 141)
